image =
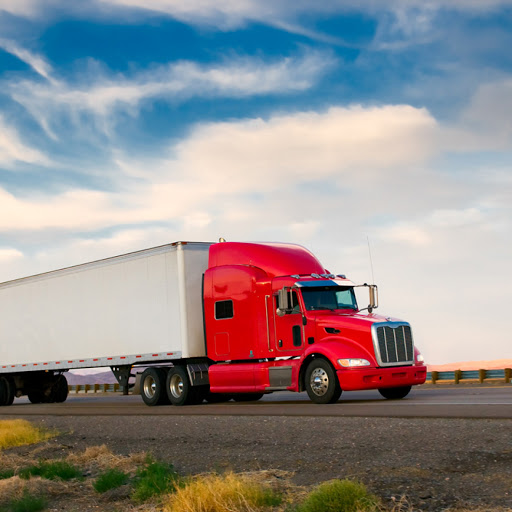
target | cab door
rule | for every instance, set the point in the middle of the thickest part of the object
(289, 332)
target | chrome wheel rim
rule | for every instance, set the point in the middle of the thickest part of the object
(319, 381)
(149, 386)
(176, 386)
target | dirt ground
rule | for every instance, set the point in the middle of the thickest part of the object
(438, 464)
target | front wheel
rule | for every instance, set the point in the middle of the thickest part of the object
(395, 393)
(322, 383)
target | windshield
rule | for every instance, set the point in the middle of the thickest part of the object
(329, 297)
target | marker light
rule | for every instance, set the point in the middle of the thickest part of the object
(353, 362)
(420, 358)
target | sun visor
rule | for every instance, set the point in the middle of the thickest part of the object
(326, 282)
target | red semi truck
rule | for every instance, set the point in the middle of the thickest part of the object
(207, 321)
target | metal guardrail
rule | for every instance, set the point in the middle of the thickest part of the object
(94, 388)
(453, 377)
(479, 376)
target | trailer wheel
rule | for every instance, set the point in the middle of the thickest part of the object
(152, 386)
(60, 389)
(6, 391)
(246, 397)
(178, 387)
(395, 393)
(35, 397)
(322, 383)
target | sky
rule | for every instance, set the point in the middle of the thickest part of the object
(341, 126)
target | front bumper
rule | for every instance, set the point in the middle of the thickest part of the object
(353, 379)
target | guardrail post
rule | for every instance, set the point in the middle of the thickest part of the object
(435, 376)
(508, 375)
(87, 387)
(481, 376)
(77, 390)
(116, 387)
(105, 388)
(458, 376)
(96, 388)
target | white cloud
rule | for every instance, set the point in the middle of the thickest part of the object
(36, 62)
(8, 255)
(176, 82)
(13, 149)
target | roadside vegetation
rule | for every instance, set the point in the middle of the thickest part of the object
(97, 478)
(21, 432)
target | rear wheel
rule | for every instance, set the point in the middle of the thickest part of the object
(35, 397)
(395, 393)
(7, 391)
(322, 383)
(152, 386)
(179, 389)
(60, 389)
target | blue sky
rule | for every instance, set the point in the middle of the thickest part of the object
(127, 123)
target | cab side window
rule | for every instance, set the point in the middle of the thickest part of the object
(295, 306)
(223, 309)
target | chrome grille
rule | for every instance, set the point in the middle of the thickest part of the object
(393, 343)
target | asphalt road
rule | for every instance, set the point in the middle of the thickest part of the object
(425, 402)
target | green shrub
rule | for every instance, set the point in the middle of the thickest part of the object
(110, 480)
(8, 473)
(155, 479)
(340, 496)
(27, 503)
(58, 470)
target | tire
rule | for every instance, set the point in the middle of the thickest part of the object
(217, 398)
(60, 389)
(395, 393)
(178, 387)
(35, 397)
(7, 391)
(152, 386)
(247, 397)
(322, 383)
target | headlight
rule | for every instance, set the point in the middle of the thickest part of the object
(420, 358)
(353, 362)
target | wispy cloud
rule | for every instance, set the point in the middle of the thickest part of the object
(36, 62)
(13, 149)
(176, 82)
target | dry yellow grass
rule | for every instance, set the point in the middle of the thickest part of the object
(21, 432)
(102, 458)
(215, 493)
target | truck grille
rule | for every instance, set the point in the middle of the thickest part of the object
(393, 343)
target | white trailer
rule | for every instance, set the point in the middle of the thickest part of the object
(136, 309)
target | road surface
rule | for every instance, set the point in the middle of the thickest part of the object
(428, 402)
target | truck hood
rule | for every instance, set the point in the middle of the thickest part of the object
(346, 318)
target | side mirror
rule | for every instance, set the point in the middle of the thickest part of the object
(284, 302)
(374, 298)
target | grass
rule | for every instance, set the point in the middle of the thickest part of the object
(21, 432)
(340, 496)
(27, 503)
(215, 493)
(56, 470)
(110, 479)
(155, 479)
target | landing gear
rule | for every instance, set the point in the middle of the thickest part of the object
(322, 382)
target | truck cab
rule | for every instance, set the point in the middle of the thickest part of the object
(276, 319)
